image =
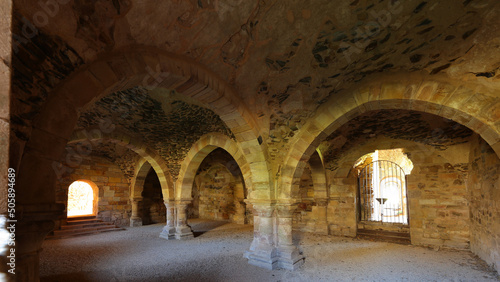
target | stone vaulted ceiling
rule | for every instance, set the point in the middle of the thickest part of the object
(170, 125)
(124, 158)
(419, 127)
(283, 58)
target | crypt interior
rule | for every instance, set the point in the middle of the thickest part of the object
(374, 119)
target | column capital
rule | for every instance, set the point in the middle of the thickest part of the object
(183, 202)
(259, 201)
(263, 209)
(285, 209)
(169, 203)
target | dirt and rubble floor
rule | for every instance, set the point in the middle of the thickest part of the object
(216, 254)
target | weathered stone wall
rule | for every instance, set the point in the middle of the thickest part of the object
(484, 192)
(216, 199)
(436, 190)
(437, 195)
(218, 192)
(341, 210)
(303, 218)
(152, 207)
(114, 204)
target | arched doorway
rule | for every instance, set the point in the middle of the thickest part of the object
(82, 199)
(152, 206)
(219, 191)
(382, 193)
(382, 196)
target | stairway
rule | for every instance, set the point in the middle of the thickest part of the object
(385, 236)
(81, 226)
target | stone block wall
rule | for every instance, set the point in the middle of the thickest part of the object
(484, 192)
(216, 199)
(218, 191)
(437, 192)
(341, 210)
(439, 214)
(113, 204)
(303, 217)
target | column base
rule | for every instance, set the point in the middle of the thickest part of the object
(183, 233)
(289, 258)
(135, 221)
(168, 233)
(265, 257)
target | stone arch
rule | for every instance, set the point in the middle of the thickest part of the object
(120, 70)
(475, 108)
(149, 156)
(350, 159)
(197, 154)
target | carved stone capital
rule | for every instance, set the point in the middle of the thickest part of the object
(286, 210)
(263, 210)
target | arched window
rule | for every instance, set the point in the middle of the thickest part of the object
(82, 198)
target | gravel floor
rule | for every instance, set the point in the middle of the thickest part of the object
(216, 254)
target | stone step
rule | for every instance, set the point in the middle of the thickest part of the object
(81, 218)
(385, 236)
(83, 226)
(82, 233)
(384, 232)
(82, 221)
(86, 225)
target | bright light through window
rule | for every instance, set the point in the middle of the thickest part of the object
(80, 199)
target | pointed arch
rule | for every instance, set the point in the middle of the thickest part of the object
(206, 144)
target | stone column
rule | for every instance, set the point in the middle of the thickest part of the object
(135, 219)
(262, 252)
(321, 222)
(34, 222)
(182, 230)
(289, 256)
(168, 231)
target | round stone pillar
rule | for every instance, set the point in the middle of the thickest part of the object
(168, 231)
(182, 230)
(263, 252)
(135, 219)
(289, 256)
